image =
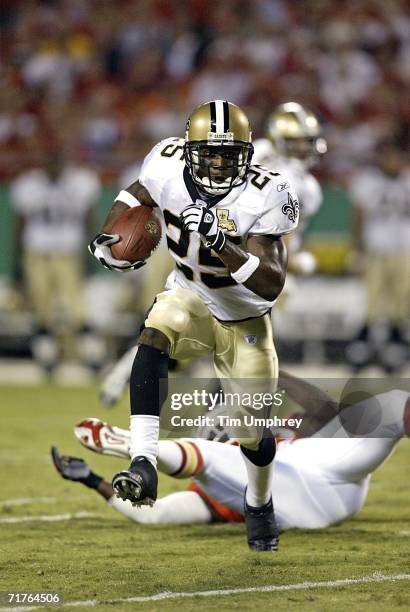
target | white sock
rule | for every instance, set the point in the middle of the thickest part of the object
(144, 429)
(259, 488)
(181, 459)
(169, 457)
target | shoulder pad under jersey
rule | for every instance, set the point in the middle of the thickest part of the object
(161, 163)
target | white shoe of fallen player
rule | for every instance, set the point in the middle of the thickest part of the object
(100, 437)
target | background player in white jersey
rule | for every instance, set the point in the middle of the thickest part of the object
(318, 480)
(224, 219)
(381, 197)
(54, 204)
(292, 146)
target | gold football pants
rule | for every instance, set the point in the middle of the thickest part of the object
(242, 351)
(55, 285)
(387, 282)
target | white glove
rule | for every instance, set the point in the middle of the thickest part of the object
(100, 248)
(198, 218)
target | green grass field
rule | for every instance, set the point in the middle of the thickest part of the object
(106, 558)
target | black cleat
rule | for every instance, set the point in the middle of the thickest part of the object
(138, 484)
(263, 532)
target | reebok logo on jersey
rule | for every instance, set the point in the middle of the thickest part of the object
(282, 186)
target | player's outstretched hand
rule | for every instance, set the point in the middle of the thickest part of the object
(198, 218)
(100, 248)
(70, 468)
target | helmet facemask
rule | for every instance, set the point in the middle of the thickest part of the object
(218, 167)
(307, 150)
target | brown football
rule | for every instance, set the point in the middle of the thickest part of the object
(140, 233)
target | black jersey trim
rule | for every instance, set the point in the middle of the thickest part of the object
(195, 194)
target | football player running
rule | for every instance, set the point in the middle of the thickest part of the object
(225, 220)
(319, 480)
(294, 144)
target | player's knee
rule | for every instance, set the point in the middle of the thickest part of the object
(254, 439)
(173, 310)
(155, 338)
(169, 314)
(264, 453)
(251, 444)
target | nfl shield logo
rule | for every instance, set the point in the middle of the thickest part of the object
(251, 339)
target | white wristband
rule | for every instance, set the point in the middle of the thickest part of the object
(127, 198)
(247, 269)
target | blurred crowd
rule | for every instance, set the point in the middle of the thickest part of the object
(103, 80)
(88, 86)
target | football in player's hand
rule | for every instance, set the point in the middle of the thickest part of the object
(140, 233)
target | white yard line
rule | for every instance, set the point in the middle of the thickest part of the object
(25, 501)
(376, 577)
(50, 518)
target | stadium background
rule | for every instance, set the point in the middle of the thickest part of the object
(103, 81)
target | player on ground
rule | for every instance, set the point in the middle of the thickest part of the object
(293, 144)
(318, 480)
(225, 219)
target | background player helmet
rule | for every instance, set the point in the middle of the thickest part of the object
(218, 148)
(296, 133)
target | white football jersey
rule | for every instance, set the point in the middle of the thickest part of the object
(264, 205)
(385, 202)
(55, 211)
